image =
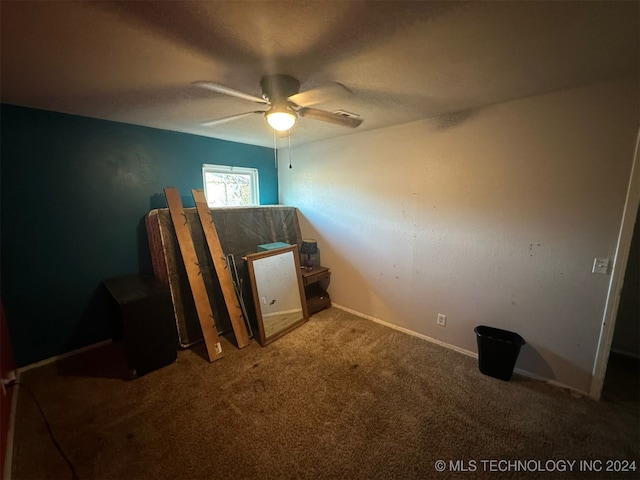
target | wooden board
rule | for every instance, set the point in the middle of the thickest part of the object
(196, 282)
(222, 270)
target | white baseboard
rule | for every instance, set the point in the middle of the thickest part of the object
(283, 312)
(8, 453)
(469, 353)
(49, 360)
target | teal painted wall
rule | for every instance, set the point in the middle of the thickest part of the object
(74, 193)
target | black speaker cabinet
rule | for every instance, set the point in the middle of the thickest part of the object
(142, 320)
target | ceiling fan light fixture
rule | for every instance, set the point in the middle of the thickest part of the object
(281, 118)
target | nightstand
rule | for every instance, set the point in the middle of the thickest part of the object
(314, 281)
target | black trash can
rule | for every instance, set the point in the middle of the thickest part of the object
(497, 351)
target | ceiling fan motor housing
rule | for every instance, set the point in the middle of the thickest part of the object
(277, 88)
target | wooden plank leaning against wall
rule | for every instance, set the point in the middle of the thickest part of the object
(196, 282)
(221, 268)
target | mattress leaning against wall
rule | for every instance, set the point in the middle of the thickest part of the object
(241, 230)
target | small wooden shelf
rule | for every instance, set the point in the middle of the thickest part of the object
(314, 282)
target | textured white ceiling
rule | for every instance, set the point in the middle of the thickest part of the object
(134, 62)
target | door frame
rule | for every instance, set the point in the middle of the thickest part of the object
(617, 277)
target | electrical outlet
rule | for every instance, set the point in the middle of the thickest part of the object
(442, 320)
(601, 266)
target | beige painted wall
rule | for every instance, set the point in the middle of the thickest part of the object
(490, 217)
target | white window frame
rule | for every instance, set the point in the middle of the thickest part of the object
(252, 173)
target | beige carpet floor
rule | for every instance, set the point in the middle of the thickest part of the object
(339, 397)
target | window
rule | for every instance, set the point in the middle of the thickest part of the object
(226, 186)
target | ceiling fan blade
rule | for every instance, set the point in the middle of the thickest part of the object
(320, 94)
(230, 118)
(229, 91)
(336, 118)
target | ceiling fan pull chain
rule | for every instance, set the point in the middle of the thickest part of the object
(289, 136)
(275, 150)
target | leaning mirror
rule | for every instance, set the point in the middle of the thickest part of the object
(278, 293)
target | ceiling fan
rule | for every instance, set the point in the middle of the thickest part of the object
(281, 93)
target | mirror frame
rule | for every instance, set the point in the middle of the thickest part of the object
(252, 257)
